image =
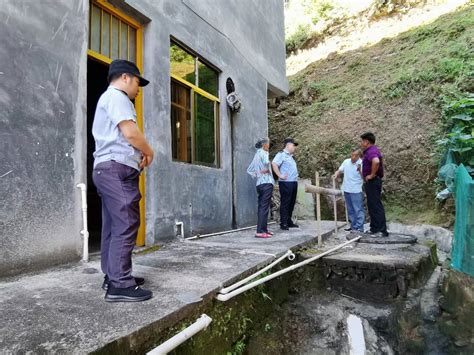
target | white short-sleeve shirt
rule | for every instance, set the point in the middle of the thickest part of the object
(352, 181)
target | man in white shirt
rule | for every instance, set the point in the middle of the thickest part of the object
(352, 186)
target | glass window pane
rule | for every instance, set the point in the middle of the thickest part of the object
(115, 38)
(105, 49)
(208, 78)
(181, 122)
(204, 128)
(180, 95)
(95, 29)
(181, 134)
(133, 44)
(123, 40)
(182, 63)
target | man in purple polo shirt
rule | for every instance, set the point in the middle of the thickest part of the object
(372, 173)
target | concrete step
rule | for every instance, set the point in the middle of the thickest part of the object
(377, 272)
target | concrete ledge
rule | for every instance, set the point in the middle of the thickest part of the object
(62, 309)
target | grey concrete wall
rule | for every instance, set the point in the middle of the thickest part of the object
(43, 63)
(199, 196)
(256, 29)
(42, 111)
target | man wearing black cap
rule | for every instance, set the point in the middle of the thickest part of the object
(121, 152)
(284, 166)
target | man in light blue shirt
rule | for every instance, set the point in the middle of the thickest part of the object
(352, 187)
(284, 166)
(121, 153)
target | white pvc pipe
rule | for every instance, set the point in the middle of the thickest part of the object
(355, 333)
(244, 288)
(181, 230)
(221, 233)
(182, 336)
(84, 231)
(289, 254)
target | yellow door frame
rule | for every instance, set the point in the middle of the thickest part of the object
(138, 101)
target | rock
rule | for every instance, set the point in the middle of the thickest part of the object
(457, 303)
(441, 236)
(429, 297)
(375, 344)
(304, 208)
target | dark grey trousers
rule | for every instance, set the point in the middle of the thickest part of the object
(373, 190)
(288, 192)
(264, 192)
(117, 185)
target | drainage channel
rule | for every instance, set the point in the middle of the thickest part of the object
(242, 286)
(313, 309)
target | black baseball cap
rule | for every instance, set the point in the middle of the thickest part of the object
(289, 140)
(121, 66)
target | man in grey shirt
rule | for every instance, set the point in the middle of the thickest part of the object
(121, 154)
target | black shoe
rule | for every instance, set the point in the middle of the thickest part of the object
(105, 285)
(129, 294)
(284, 227)
(349, 229)
(293, 225)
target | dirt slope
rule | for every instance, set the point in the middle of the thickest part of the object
(395, 89)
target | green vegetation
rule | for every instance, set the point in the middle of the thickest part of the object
(408, 90)
(459, 120)
(382, 8)
(319, 9)
(297, 39)
(321, 17)
(239, 347)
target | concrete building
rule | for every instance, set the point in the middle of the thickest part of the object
(54, 57)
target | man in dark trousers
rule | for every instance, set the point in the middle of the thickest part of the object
(284, 166)
(372, 173)
(121, 154)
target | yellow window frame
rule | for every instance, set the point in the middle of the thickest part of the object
(215, 99)
(139, 99)
(195, 88)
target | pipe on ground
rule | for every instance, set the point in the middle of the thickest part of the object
(84, 231)
(182, 336)
(199, 236)
(289, 254)
(247, 287)
(355, 334)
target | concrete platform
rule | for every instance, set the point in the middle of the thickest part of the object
(63, 310)
(392, 238)
(379, 272)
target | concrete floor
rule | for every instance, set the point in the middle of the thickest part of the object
(63, 310)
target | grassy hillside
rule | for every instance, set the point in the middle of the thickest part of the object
(395, 89)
